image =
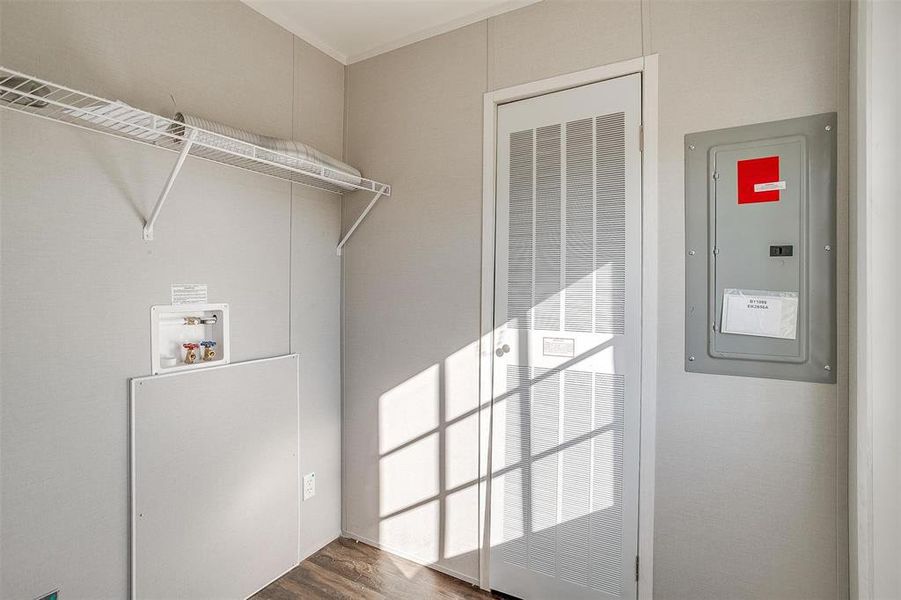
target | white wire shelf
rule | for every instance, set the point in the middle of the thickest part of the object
(27, 94)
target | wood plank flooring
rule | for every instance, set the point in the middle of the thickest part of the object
(351, 570)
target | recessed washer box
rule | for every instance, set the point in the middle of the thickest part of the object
(760, 250)
(172, 326)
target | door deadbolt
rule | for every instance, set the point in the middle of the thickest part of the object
(502, 350)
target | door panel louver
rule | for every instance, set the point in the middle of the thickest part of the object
(547, 228)
(544, 429)
(563, 482)
(516, 517)
(606, 523)
(579, 225)
(610, 286)
(519, 296)
(581, 257)
(575, 507)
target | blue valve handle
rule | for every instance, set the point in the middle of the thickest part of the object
(208, 344)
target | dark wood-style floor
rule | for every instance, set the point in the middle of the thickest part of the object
(351, 570)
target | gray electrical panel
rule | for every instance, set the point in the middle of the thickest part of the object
(760, 250)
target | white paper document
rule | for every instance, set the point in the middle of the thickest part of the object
(559, 346)
(769, 187)
(189, 293)
(760, 313)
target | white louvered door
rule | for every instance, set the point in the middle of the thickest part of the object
(565, 428)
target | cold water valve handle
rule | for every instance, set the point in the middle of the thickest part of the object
(208, 352)
(190, 353)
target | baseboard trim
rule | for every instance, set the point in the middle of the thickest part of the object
(405, 555)
(302, 556)
(312, 549)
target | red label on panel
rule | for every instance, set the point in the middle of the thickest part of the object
(762, 173)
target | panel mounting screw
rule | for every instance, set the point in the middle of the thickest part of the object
(716, 250)
(827, 248)
(716, 175)
(828, 127)
(828, 367)
(691, 252)
(691, 147)
(691, 359)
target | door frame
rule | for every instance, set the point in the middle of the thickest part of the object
(647, 67)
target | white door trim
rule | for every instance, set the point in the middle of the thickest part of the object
(647, 67)
(861, 419)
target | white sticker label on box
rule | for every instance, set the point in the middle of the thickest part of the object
(770, 186)
(559, 347)
(759, 313)
(189, 293)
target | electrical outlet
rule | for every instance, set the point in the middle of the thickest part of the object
(309, 486)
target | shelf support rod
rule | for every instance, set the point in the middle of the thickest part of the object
(362, 216)
(154, 215)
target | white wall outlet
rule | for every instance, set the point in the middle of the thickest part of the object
(309, 486)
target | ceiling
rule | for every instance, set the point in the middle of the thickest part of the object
(354, 30)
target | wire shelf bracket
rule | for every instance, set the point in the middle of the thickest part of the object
(27, 94)
(158, 207)
(359, 220)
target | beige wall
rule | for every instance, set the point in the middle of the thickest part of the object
(751, 474)
(411, 301)
(77, 280)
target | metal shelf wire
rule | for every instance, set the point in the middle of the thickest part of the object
(27, 94)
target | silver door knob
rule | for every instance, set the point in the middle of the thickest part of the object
(502, 350)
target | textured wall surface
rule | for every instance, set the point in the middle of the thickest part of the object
(412, 302)
(77, 280)
(751, 474)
